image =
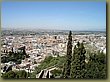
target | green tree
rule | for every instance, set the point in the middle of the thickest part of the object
(96, 67)
(56, 72)
(49, 62)
(15, 74)
(22, 74)
(78, 62)
(67, 66)
(9, 75)
(24, 52)
(15, 57)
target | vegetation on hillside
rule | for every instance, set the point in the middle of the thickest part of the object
(14, 57)
(15, 74)
(50, 62)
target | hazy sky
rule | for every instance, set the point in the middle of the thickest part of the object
(54, 15)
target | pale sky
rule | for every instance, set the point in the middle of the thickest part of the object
(54, 15)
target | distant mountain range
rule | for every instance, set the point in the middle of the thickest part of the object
(38, 29)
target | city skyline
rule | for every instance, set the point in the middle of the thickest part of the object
(54, 15)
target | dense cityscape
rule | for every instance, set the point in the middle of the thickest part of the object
(40, 45)
(53, 39)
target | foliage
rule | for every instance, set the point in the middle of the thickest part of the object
(96, 67)
(67, 66)
(56, 72)
(49, 62)
(15, 57)
(78, 62)
(15, 74)
(21, 74)
(9, 75)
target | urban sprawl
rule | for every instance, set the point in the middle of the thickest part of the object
(42, 44)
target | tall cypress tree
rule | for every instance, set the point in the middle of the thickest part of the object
(67, 65)
(78, 62)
